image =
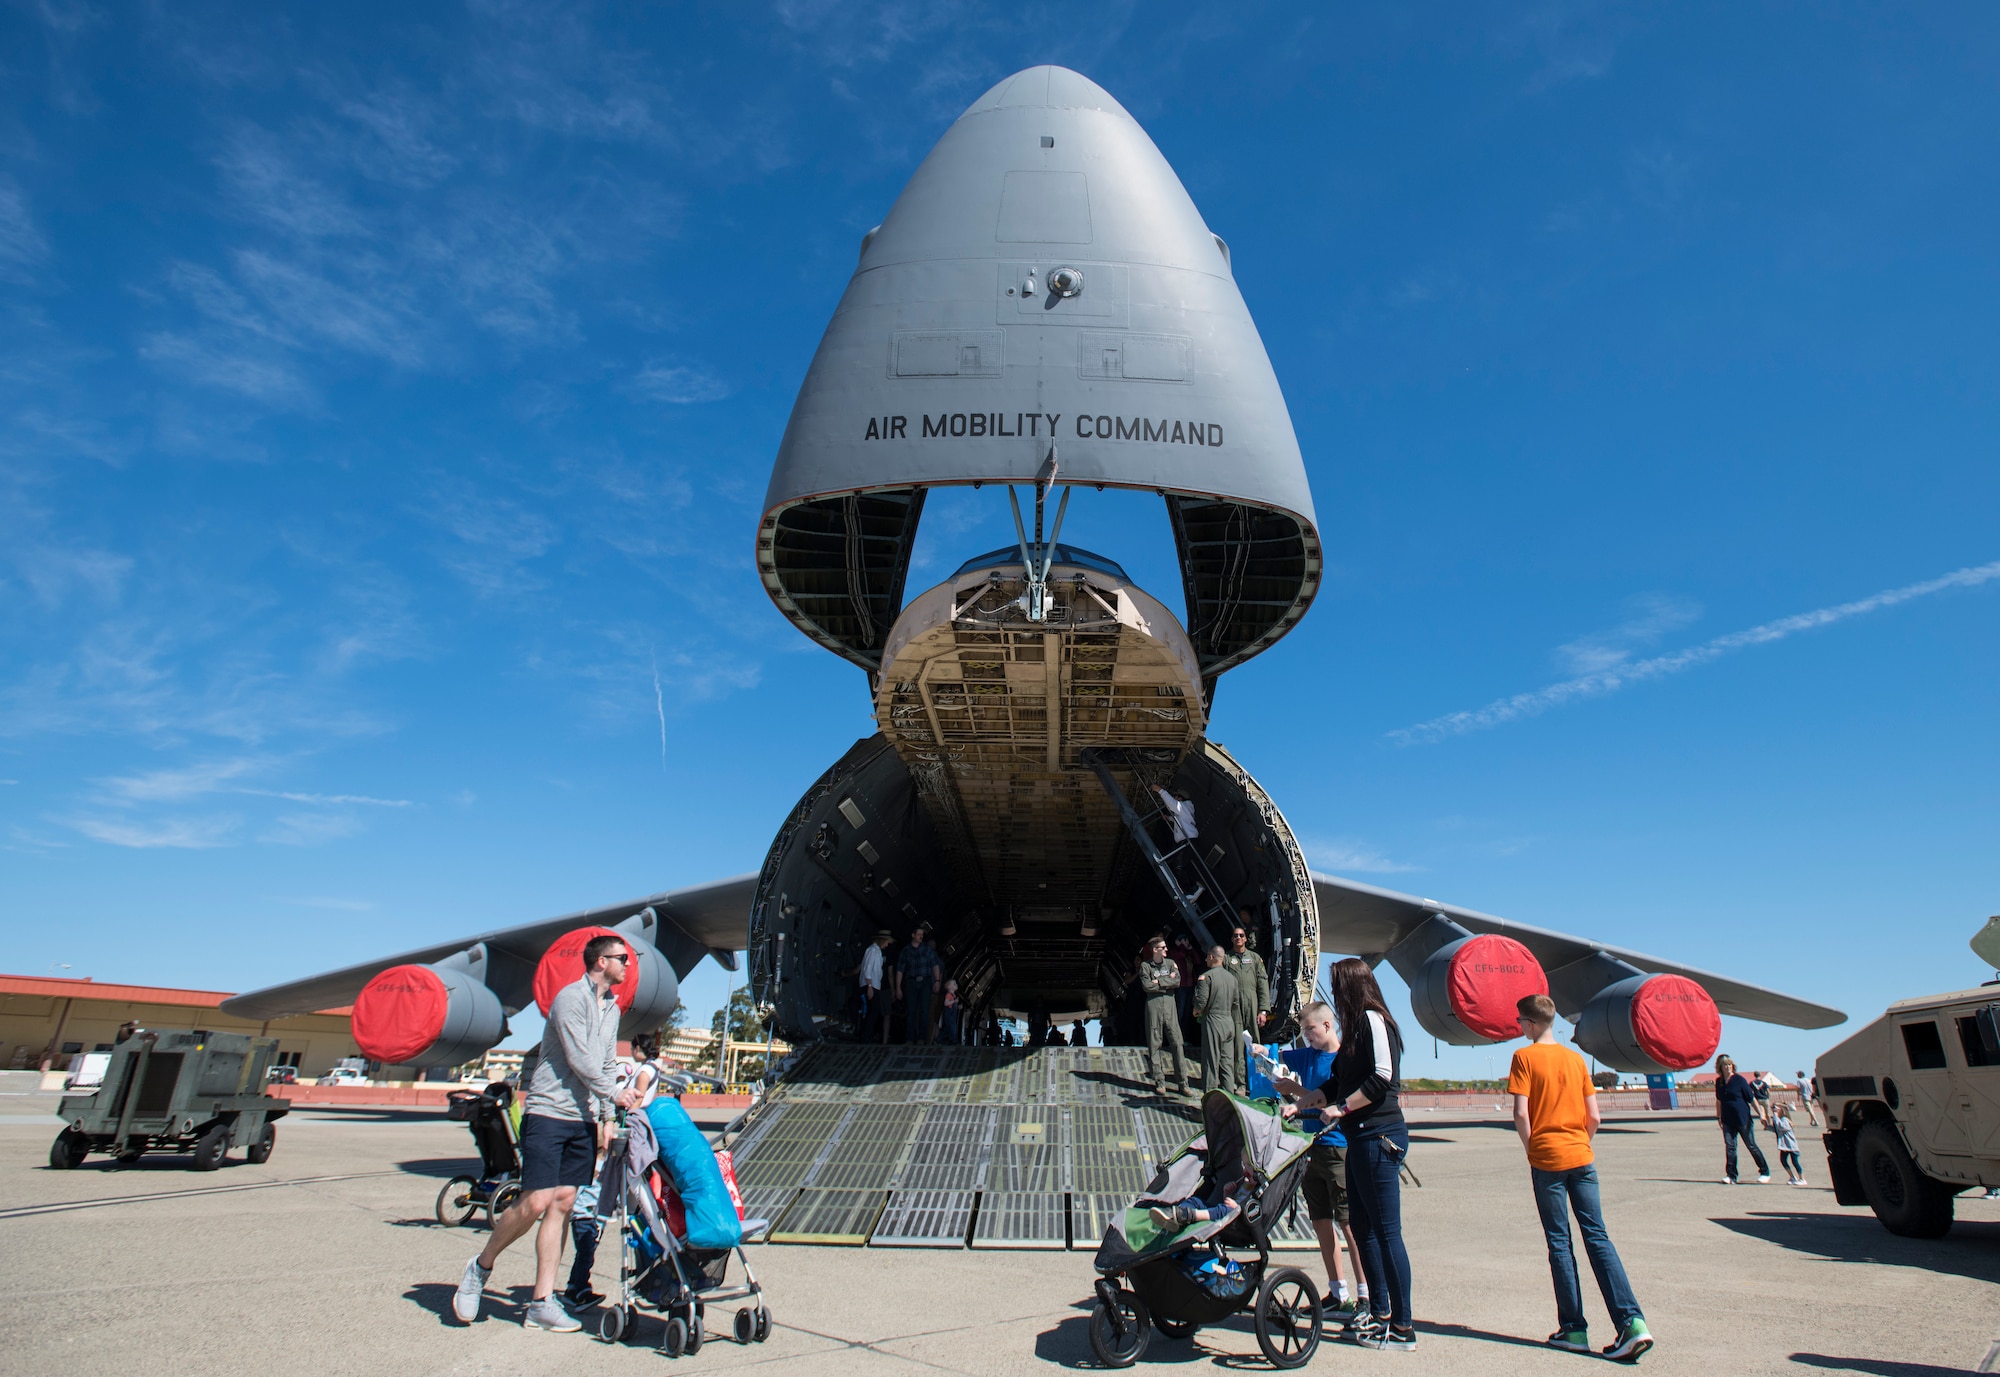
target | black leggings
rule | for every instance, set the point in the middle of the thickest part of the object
(1748, 1133)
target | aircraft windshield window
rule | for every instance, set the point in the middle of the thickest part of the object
(1925, 1047)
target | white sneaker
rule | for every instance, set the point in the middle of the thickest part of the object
(1765, 1179)
(471, 1290)
(547, 1313)
(1728, 1180)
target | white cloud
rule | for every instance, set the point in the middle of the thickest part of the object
(194, 834)
(1650, 616)
(168, 785)
(331, 800)
(679, 385)
(21, 244)
(310, 829)
(1358, 857)
(1596, 685)
(264, 376)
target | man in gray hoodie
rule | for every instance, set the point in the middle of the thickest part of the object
(572, 1090)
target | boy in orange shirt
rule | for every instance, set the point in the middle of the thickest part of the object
(1556, 1114)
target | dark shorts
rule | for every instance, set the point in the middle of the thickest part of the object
(1325, 1183)
(556, 1152)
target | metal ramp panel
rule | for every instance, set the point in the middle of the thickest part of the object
(837, 1217)
(1090, 1214)
(1037, 1219)
(1106, 1154)
(925, 1219)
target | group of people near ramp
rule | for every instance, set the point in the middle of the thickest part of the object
(1230, 996)
(1343, 1085)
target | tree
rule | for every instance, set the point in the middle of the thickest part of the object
(745, 1025)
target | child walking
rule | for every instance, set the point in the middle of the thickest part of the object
(1556, 1114)
(1788, 1145)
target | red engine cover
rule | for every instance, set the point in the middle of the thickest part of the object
(400, 1013)
(1676, 1022)
(562, 964)
(1489, 975)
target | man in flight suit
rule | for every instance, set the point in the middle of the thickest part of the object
(1159, 978)
(1248, 968)
(1217, 996)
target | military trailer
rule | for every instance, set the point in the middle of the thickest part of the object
(1913, 1109)
(193, 1092)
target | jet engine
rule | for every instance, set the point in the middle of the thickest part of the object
(1463, 989)
(650, 991)
(1650, 1024)
(441, 1014)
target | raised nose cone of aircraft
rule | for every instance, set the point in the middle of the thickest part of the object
(1043, 283)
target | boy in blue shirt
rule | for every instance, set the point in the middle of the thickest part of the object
(1326, 1176)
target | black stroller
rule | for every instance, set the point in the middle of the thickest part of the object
(489, 1114)
(1181, 1279)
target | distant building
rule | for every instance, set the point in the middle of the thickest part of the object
(46, 1020)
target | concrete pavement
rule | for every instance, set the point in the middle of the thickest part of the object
(327, 1260)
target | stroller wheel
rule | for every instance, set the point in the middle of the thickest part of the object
(1174, 1329)
(1119, 1340)
(1288, 1317)
(676, 1341)
(745, 1325)
(763, 1323)
(455, 1206)
(696, 1334)
(612, 1324)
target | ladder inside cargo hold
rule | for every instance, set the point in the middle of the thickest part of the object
(1181, 871)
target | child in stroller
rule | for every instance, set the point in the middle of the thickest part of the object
(1173, 1244)
(495, 1127)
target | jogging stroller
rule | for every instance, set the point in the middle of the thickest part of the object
(678, 1221)
(1176, 1280)
(489, 1113)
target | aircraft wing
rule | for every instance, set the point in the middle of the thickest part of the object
(1365, 920)
(702, 920)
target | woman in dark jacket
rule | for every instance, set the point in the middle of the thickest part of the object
(1368, 1081)
(1736, 1112)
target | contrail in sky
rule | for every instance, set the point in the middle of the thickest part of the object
(1611, 680)
(660, 706)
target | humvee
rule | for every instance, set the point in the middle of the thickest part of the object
(1913, 1109)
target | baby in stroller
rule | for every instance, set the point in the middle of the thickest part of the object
(1221, 1198)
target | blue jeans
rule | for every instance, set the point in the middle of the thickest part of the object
(1375, 1209)
(1556, 1193)
(1748, 1133)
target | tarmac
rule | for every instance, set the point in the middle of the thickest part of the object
(328, 1259)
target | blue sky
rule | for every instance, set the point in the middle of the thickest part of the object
(388, 396)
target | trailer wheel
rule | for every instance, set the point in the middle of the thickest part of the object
(209, 1151)
(455, 1205)
(1907, 1202)
(503, 1197)
(1288, 1318)
(69, 1150)
(260, 1151)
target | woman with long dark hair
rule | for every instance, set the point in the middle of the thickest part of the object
(1367, 1084)
(1736, 1112)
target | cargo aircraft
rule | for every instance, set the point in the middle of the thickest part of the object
(1043, 309)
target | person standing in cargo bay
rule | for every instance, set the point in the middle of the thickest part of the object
(919, 977)
(573, 1088)
(1159, 978)
(1218, 1009)
(1251, 976)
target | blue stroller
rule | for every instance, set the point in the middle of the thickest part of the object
(675, 1272)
